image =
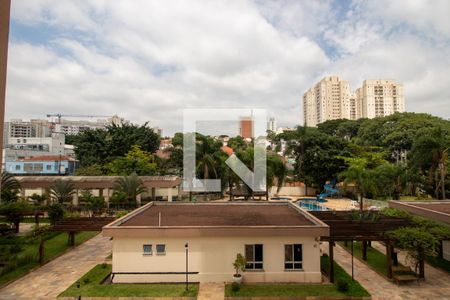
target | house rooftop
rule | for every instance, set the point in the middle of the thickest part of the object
(435, 210)
(223, 218)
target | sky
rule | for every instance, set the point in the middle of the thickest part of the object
(148, 60)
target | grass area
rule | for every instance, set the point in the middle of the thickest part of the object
(302, 290)
(375, 259)
(90, 286)
(18, 255)
(439, 263)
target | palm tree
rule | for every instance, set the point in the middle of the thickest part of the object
(131, 185)
(206, 161)
(276, 169)
(361, 176)
(10, 187)
(62, 190)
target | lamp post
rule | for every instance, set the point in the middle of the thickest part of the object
(78, 287)
(186, 247)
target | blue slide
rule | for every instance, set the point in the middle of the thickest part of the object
(328, 191)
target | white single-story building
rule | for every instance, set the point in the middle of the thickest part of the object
(280, 242)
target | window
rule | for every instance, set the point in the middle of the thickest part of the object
(17, 167)
(293, 257)
(49, 167)
(160, 249)
(147, 249)
(254, 257)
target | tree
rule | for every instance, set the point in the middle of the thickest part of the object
(276, 169)
(37, 199)
(360, 172)
(15, 212)
(103, 146)
(56, 212)
(131, 186)
(62, 190)
(319, 157)
(91, 170)
(430, 154)
(10, 188)
(135, 161)
(94, 204)
(417, 242)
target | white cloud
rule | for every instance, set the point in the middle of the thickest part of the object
(146, 60)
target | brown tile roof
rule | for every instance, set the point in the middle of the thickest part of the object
(219, 214)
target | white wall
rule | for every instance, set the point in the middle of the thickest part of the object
(292, 191)
(213, 258)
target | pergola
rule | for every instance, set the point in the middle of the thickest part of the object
(345, 227)
(104, 184)
(73, 225)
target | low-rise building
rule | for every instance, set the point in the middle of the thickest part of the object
(42, 165)
(280, 242)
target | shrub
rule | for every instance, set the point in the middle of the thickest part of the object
(55, 213)
(235, 287)
(16, 248)
(86, 280)
(342, 285)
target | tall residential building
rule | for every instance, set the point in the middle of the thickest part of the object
(327, 100)
(246, 127)
(331, 99)
(272, 125)
(381, 97)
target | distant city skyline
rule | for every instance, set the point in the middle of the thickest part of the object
(148, 60)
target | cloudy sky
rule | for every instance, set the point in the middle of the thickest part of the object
(147, 60)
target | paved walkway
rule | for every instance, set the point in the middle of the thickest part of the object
(436, 285)
(53, 278)
(211, 291)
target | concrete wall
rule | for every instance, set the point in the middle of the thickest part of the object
(446, 249)
(292, 191)
(212, 258)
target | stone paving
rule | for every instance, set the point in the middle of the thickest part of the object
(211, 291)
(48, 281)
(436, 285)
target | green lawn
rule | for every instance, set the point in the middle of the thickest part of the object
(90, 286)
(439, 263)
(302, 290)
(19, 261)
(375, 259)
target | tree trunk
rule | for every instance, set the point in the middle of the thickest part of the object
(421, 268)
(361, 205)
(16, 226)
(442, 169)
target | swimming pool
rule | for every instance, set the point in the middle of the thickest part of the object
(321, 200)
(311, 205)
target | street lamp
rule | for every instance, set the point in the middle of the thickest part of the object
(186, 247)
(78, 288)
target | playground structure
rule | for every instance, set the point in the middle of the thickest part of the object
(329, 190)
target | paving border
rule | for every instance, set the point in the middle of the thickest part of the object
(41, 265)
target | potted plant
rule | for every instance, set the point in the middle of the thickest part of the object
(239, 265)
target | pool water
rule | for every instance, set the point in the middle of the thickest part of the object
(311, 205)
(314, 199)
